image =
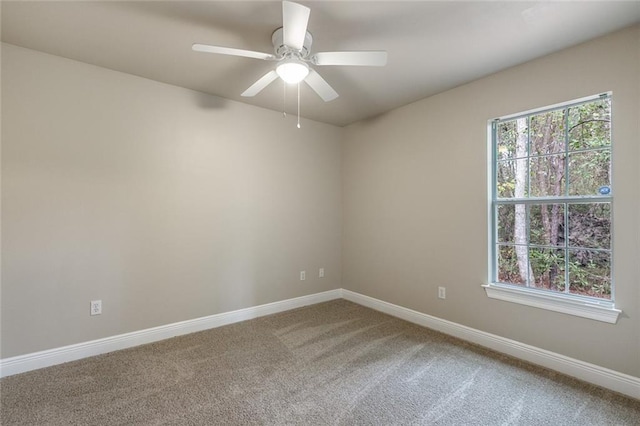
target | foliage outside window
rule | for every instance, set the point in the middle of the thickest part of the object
(552, 200)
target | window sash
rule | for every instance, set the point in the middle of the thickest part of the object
(566, 247)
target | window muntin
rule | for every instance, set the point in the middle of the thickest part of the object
(551, 200)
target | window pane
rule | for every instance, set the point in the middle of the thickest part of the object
(589, 172)
(506, 223)
(509, 257)
(547, 176)
(511, 178)
(547, 133)
(546, 224)
(590, 125)
(547, 266)
(506, 133)
(590, 273)
(590, 225)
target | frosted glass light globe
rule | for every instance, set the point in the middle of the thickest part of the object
(292, 70)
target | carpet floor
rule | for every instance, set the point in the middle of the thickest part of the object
(334, 363)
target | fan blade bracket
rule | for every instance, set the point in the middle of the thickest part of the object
(367, 58)
(295, 18)
(206, 48)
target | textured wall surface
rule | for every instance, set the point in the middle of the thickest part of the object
(415, 201)
(164, 203)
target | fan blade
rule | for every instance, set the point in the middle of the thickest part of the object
(231, 51)
(320, 86)
(263, 82)
(295, 18)
(376, 58)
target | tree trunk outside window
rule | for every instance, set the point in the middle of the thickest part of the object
(520, 225)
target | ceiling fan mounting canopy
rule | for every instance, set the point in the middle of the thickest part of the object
(292, 47)
(282, 49)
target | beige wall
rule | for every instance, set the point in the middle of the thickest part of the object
(169, 205)
(415, 201)
(165, 203)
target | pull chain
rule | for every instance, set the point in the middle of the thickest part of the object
(284, 99)
(298, 105)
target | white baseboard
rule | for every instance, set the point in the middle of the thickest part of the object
(610, 379)
(591, 373)
(47, 358)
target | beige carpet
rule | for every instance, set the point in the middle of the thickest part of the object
(335, 363)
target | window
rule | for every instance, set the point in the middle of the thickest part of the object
(551, 208)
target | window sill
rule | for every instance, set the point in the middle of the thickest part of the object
(604, 311)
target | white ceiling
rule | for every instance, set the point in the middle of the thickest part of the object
(432, 45)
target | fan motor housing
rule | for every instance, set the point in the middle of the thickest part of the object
(282, 50)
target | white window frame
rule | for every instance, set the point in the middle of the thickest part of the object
(585, 307)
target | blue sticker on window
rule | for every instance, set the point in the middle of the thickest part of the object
(604, 190)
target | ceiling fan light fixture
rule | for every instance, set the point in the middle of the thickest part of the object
(292, 47)
(292, 70)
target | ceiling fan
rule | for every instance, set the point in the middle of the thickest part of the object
(292, 51)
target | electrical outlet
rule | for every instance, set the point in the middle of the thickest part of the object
(321, 273)
(96, 307)
(442, 292)
(303, 275)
